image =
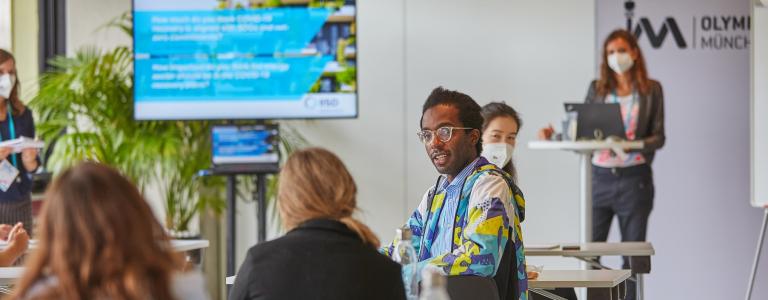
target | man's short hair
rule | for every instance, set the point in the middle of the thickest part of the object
(469, 110)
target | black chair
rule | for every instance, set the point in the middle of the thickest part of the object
(471, 288)
(503, 286)
(506, 277)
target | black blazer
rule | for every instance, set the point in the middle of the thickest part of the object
(320, 259)
(650, 125)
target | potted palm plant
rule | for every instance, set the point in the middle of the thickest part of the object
(85, 106)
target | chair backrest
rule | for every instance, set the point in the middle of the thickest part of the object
(471, 288)
(506, 276)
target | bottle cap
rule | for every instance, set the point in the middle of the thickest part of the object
(404, 233)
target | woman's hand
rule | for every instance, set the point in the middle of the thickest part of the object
(546, 133)
(18, 239)
(5, 229)
(29, 158)
(5, 152)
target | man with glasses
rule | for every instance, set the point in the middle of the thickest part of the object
(463, 222)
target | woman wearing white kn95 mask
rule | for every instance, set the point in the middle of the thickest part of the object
(622, 184)
(15, 167)
(501, 123)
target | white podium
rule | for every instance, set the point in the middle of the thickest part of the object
(585, 150)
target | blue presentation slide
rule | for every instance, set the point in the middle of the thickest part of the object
(227, 59)
(248, 144)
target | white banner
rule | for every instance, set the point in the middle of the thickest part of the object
(699, 51)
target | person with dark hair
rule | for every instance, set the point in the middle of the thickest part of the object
(15, 121)
(473, 212)
(501, 123)
(622, 185)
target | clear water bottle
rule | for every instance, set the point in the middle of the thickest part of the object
(405, 254)
(434, 285)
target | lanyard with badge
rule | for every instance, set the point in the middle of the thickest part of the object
(9, 172)
(627, 120)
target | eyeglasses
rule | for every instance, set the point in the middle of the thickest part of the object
(443, 133)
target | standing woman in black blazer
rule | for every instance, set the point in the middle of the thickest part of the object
(326, 253)
(622, 183)
(15, 121)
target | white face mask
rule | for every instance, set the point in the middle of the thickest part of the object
(498, 154)
(6, 85)
(620, 62)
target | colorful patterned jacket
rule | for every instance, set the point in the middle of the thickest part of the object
(489, 199)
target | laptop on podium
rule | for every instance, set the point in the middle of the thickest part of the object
(597, 121)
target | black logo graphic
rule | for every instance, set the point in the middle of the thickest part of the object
(657, 38)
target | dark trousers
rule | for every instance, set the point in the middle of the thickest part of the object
(626, 193)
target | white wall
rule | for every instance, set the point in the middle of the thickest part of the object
(5, 24)
(86, 20)
(532, 54)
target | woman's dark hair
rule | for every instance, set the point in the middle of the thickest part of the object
(17, 106)
(495, 110)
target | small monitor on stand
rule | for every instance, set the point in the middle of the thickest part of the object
(245, 149)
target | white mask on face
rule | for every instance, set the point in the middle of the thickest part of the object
(6, 85)
(620, 62)
(498, 154)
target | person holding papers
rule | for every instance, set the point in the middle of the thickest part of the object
(15, 168)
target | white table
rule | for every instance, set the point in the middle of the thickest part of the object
(588, 253)
(178, 245)
(551, 279)
(9, 275)
(585, 149)
(596, 249)
(187, 245)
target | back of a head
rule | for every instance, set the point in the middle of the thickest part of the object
(469, 110)
(98, 237)
(315, 184)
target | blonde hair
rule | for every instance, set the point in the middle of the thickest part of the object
(315, 184)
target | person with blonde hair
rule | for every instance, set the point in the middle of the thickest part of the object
(326, 254)
(98, 239)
